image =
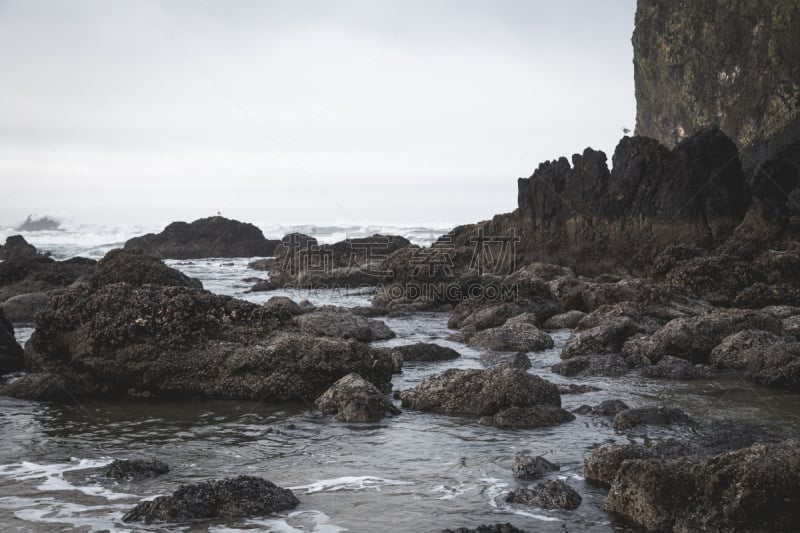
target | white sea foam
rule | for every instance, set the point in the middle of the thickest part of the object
(50, 511)
(52, 477)
(451, 493)
(297, 522)
(349, 483)
(496, 492)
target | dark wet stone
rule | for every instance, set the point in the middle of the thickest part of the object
(550, 494)
(240, 497)
(529, 417)
(650, 416)
(426, 351)
(526, 466)
(354, 399)
(133, 469)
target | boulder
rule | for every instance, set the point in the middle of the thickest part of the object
(675, 368)
(525, 466)
(11, 354)
(41, 274)
(22, 309)
(17, 247)
(240, 497)
(425, 351)
(694, 338)
(263, 285)
(568, 320)
(330, 321)
(354, 399)
(760, 295)
(550, 494)
(355, 262)
(512, 337)
(608, 408)
(135, 267)
(766, 359)
(607, 338)
(717, 279)
(518, 360)
(751, 489)
(135, 469)
(477, 393)
(206, 237)
(528, 417)
(650, 416)
(183, 342)
(609, 365)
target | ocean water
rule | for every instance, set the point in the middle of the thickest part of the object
(415, 472)
(94, 240)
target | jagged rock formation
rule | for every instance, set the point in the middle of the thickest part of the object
(731, 63)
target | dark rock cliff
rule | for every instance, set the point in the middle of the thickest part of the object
(731, 63)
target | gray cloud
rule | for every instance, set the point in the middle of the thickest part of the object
(301, 111)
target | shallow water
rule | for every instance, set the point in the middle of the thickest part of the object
(414, 472)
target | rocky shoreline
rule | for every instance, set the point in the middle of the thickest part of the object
(680, 261)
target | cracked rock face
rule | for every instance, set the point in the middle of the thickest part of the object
(745, 80)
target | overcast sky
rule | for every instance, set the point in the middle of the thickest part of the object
(300, 111)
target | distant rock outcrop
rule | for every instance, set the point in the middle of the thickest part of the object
(206, 237)
(44, 223)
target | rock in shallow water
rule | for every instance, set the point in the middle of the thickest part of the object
(425, 351)
(353, 399)
(132, 469)
(512, 337)
(240, 497)
(183, 342)
(525, 466)
(753, 489)
(528, 417)
(551, 494)
(480, 392)
(651, 416)
(332, 321)
(496, 528)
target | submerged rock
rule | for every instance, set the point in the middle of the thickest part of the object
(528, 417)
(651, 416)
(354, 399)
(480, 393)
(240, 497)
(133, 469)
(550, 494)
(206, 237)
(496, 528)
(605, 408)
(425, 351)
(610, 365)
(525, 466)
(675, 368)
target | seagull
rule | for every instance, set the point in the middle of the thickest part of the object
(625, 130)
